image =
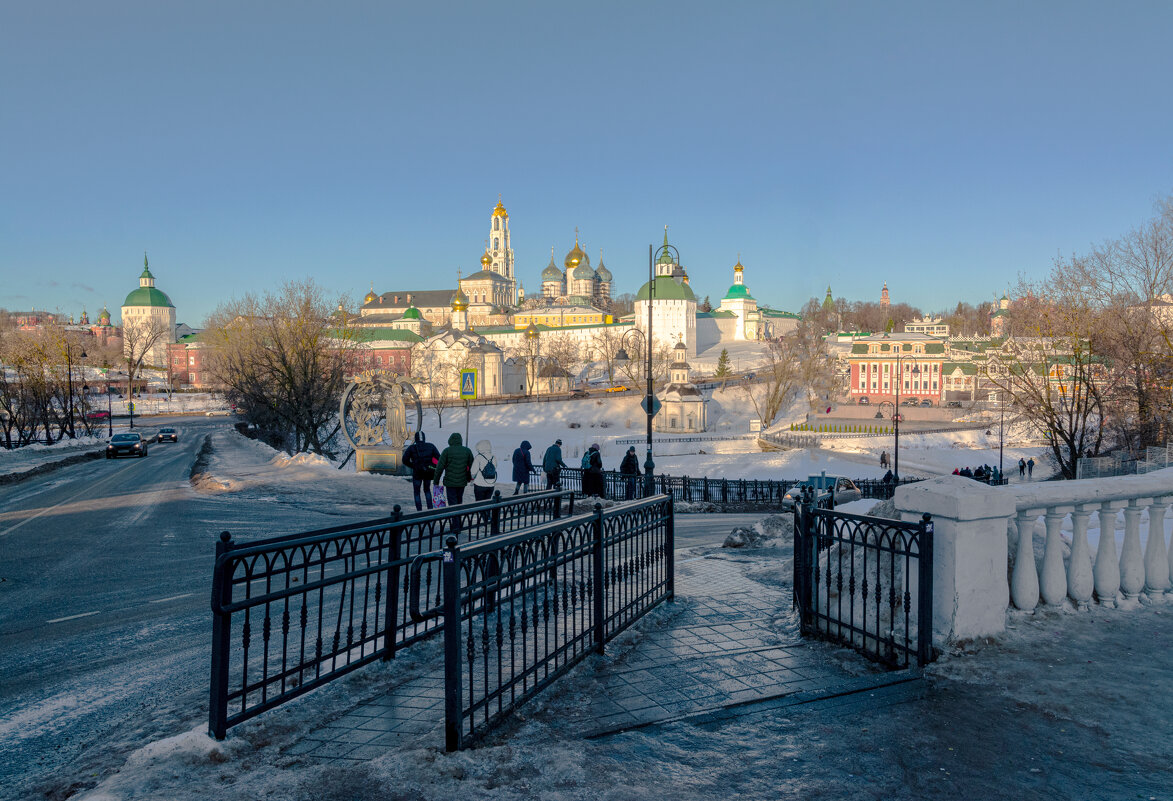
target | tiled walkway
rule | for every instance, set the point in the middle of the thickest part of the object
(719, 650)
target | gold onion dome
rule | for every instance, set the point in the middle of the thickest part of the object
(370, 297)
(459, 301)
(575, 256)
(486, 259)
(499, 209)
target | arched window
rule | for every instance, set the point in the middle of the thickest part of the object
(496, 223)
(496, 241)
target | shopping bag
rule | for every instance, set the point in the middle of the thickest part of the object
(439, 499)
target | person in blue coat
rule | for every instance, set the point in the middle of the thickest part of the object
(522, 467)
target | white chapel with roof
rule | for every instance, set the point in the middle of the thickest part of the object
(147, 307)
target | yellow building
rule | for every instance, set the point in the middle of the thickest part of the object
(561, 315)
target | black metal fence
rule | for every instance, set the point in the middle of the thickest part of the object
(740, 491)
(293, 612)
(522, 609)
(865, 582)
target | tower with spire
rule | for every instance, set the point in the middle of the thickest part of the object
(149, 309)
(884, 302)
(500, 250)
(740, 302)
(673, 305)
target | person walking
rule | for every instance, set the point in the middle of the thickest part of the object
(595, 471)
(421, 457)
(1030, 468)
(883, 459)
(484, 471)
(455, 467)
(522, 467)
(1021, 468)
(552, 464)
(629, 469)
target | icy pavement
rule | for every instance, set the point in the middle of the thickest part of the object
(1063, 705)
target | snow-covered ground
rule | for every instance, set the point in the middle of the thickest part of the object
(18, 460)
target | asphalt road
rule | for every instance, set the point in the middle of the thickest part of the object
(104, 623)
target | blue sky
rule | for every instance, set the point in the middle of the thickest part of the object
(945, 148)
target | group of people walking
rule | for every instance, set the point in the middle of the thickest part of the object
(457, 466)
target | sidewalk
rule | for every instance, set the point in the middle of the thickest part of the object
(1063, 705)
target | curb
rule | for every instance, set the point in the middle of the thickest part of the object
(48, 467)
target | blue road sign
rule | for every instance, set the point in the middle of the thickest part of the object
(468, 384)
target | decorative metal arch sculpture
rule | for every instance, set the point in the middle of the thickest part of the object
(373, 413)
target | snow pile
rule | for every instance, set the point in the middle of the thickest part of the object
(767, 533)
(301, 460)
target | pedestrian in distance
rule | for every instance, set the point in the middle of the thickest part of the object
(629, 469)
(552, 464)
(484, 471)
(595, 471)
(889, 478)
(522, 467)
(421, 457)
(883, 458)
(1030, 468)
(455, 467)
(1021, 468)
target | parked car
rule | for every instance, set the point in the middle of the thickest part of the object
(908, 402)
(167, 435)
(579, 393)
(838, 488)
(954, 404)
(863, 401)
(98, 416)
(926, 403)
(128, 444)
(217, 413)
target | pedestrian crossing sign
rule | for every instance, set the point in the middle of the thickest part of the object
(468, 384)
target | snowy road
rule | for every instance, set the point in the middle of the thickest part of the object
(104, 631)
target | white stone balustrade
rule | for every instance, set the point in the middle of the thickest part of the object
(972, 522)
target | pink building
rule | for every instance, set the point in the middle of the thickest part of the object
(883, 363)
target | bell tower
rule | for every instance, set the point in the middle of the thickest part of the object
(501, 249)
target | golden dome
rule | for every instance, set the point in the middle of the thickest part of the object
(575, 255)
(499, 209)
(370, 297)
(486, 259)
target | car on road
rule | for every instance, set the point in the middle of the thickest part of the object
(217, 413)
(619, 388)
(909, 402)
(954, 404)
(864, 401)
(926, 403)
(128, 444)
(167, 435)
(579, 393)
(835, 489)
(97, 416)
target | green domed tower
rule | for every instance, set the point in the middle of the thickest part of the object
(148, 321)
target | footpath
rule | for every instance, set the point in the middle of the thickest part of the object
(715, 696)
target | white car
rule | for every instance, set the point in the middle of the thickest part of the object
(841, 490)
(217, 413)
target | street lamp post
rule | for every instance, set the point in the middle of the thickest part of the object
(1001, 429)
(896, 416)
(622, 358)
(109, 406)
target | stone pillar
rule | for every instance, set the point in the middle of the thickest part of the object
(971, 591)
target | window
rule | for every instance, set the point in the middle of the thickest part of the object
(496, 243)
(496, 223)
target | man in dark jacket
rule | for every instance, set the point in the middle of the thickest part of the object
(552, 463)
(523, 465)
(629, 469)
(595, 471)
(455, 466)
(421, 456)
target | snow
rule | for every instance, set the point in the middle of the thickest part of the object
(18, 460)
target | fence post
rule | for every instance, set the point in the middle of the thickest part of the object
(924, 609)
(670, 548)
(452, 671)
(598, 579)
(221, 642)
(495, 515)
(391, 604)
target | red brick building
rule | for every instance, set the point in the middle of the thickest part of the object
(881, 362)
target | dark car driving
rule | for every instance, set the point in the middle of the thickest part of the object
(167, 435)
(128, 444)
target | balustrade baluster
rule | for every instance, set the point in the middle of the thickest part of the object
(1131, 558)
(1053, 582)
(1156, 556)
(1079, 568)
(1024, 583)
(1107, 568)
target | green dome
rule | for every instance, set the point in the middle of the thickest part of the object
(738, 292)
(412, 313)
(583, 272)
(551, 273)
(667, 289)
(147, 296)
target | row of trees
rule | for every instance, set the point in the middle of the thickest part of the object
(1094, 368)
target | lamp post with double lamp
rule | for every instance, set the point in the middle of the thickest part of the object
(109, 406)
(668, 254)
(1001, 428)
(896, 415)
(69, 382)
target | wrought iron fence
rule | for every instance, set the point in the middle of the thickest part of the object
(323, 600)
(522, 609)
(745, 492)
(865, 582)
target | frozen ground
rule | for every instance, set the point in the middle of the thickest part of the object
(1064, 705)
(18, 460)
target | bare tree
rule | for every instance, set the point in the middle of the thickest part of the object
(139, 339)
(798, 362)
(606, 344)
(282, 358)
(564, 351)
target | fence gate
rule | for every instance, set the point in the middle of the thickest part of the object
(865, 582)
